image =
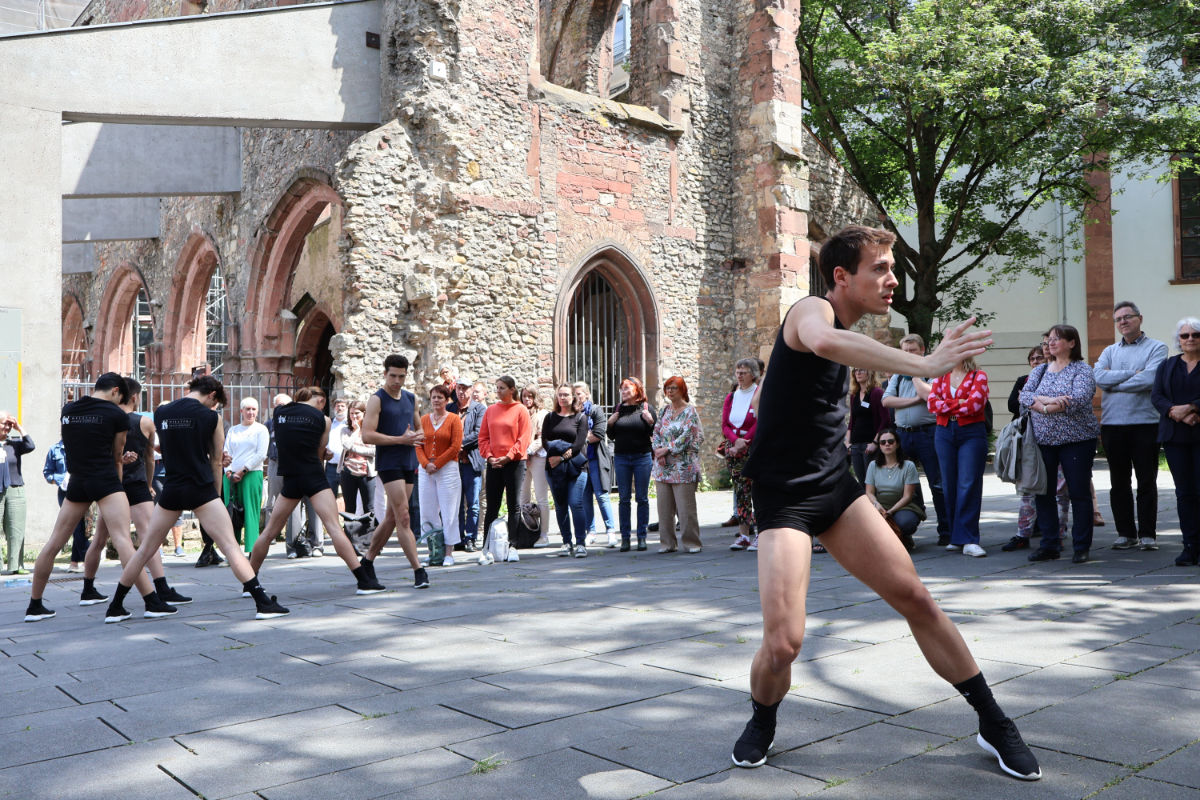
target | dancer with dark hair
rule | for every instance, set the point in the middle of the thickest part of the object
(191, 436)
(138, 475)
(394, 427)
(302, 438)
(94, 429)
(803, 488)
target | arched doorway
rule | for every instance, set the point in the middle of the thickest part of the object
(197, 321)
(314, 360)
(606, 325)
(125, 330)
(74, 341)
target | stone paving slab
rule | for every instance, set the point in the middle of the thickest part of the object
(613, 676)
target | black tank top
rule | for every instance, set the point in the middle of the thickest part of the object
(799, 442)
(88, 428)
(185, 435)
(298, 431)
(395, 416)
(136, 442)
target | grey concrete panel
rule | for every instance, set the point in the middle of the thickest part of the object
(1182, 767)
(38, 742)
(111, 160)
(111, 220)
(1139, 788)
(307, 66)
(129, 772)
(857, 752)
(78, 258)
(764, 783)
(375, 780)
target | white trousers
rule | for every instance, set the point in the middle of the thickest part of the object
(535, 479)
(440, 495)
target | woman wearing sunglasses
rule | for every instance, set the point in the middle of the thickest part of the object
(1176, 395)
(892, 485)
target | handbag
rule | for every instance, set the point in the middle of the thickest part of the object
(435, 540)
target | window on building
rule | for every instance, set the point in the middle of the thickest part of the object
(1187, 223)
(141, 334)
(598, 339)
(618, 80)
(216, 340)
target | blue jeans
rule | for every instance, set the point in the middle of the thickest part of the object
(962, 453)
(593, 486)
(468, 510)
(633, 479)
(919, 447)
(1184, 461)
(569, 494)
(1076, 459)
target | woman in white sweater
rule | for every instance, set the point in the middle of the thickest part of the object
(246, 445)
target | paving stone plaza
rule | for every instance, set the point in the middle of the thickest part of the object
(617, 676)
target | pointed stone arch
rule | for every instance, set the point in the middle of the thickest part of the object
(269, 327)
(185, 338)
(313, 364)
(76, 363)
(636, 315)
(113, 350)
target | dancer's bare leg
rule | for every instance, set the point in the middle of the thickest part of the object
(397, 519)
(283, 508)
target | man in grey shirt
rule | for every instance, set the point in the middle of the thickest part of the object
(1129, 426)
(907, 397)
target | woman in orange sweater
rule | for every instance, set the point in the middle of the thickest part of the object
(504, 437)
(439, 486)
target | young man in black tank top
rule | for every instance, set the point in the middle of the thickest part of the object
(395, 439)
(138, 469)
(192, 436)
(93, 433)
(803, 488)
(301, 439)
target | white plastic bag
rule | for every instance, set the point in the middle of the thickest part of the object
(497, 541)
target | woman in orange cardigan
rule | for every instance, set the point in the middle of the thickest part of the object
(438, 484)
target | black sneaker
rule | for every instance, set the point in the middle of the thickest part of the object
(751, 748)
(1043, 555)
(90, 597)
(1080, 557)
(1016, 543)
(1002, 740)
(943, 539)
(36, 612)
(420, 578)
(116, 614)
(368, 584)
(174, 598)
(270, 610)
(469, 546)
(155, 608)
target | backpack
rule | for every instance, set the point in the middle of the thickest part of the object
(359, 529)
(496, 546)
(1018, 459)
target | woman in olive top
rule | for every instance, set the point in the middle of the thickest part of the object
(504, 437)
(438, 484)
(892, 484)
(630, 427)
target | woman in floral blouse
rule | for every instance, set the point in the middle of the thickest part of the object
(959, 400)
(1059, 393)
(676, 441)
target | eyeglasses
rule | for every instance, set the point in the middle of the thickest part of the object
(1053, 340)
(1183, 336)
(1125, 318)
(887, 441)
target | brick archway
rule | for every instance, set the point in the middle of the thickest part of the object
(268, 337)
(313, 363)
(75, 358)
(638, 307)
(185, 338)
(113, 349)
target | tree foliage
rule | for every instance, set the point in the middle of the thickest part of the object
(962, 116)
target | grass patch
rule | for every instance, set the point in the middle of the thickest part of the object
(485, 765)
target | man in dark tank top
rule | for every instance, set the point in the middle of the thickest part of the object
(803, 488)
(394, 427)
(192, 435)
(138, 475)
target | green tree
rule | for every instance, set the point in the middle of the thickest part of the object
(959, 117)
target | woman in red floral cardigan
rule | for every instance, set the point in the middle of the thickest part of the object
(959, 400)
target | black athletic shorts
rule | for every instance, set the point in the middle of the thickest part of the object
(296, 487)
(138, 492)
(409, 476)
(90, 490)
(811, 512)
(186, 497)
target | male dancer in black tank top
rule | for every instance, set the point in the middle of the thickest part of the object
(803, 488)
(191, 436)
(138, 469)
(301, 439)
(93, 433)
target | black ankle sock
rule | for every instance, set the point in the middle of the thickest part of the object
(979, 695)
(89, 584)
(160, 585)
(119, 594)
(764, 713)
(361, 571)
(150, 597)
(366, 562)
(256, 590)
